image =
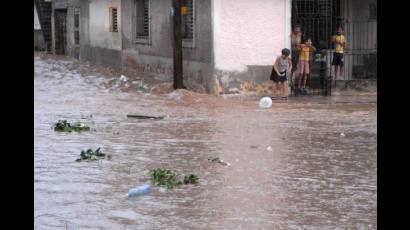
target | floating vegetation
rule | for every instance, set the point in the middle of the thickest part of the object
(169, 179)
(91, 155)
(191, 179)
(64, 126)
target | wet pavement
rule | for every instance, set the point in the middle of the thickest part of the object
(305, 163)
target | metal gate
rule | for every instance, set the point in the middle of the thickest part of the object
(60, 32)
(361, 49)
(318, 20)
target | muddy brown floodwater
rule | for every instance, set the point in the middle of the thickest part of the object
(320, 171)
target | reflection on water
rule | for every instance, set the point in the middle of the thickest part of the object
(314, 177)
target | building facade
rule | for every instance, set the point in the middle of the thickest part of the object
(229, 46)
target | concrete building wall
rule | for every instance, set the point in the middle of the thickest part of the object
(155, 57)
(99, 19)
(248, 36)
(97, 43)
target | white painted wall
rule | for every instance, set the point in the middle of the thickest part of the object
(249, 32)
(36, 20)
(100, 35)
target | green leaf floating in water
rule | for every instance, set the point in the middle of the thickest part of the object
(169, 179)
(64, 126)
(191, 179)
(91, 155)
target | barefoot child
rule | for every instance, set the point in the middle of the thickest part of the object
(281, 68)
(339, 41)
(305, 50)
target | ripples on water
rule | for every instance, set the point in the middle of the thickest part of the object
(314, 178)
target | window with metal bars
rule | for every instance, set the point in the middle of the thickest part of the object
(113, 19)
(318, 19)
(188, 21)
(142, 19)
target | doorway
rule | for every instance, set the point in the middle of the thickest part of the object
(60, 32)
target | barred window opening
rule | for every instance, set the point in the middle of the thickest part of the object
(114, 19)
(142, 18)
(188, 21)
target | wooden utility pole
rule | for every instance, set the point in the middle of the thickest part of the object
(176, 5)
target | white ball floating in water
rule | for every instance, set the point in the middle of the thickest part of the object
(265, 102)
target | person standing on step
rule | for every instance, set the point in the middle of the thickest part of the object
(339, 41)
(304, 56)
(296, 40)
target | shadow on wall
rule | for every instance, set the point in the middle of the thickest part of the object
(39, 44)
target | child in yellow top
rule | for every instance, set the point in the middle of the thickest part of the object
(339, 41)
(304, 54)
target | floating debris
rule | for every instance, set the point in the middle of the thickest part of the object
(141, 190)
(265, 102)
(64, 126)
(269, 149)
(218, 160)
(145, 117)
(123, 78)
(169, 179)
(91, 155)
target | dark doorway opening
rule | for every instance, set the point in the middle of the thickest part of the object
(60, 32)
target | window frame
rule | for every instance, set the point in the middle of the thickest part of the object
(111, 9)
(145, 40)
(190, 42)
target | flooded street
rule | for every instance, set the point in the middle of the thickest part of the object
(305, 163)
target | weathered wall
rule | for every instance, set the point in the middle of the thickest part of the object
(99, 19)
(155, 57)
(247, 37)
(39, 40)
(97, 43)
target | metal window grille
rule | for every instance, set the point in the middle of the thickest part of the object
(142, 18)
(317, 18)
(114, 19)
(188, 20)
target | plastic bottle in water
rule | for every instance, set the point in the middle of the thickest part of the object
(140, 190)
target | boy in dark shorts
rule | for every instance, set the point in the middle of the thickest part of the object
(339, 41)
(281, 68)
